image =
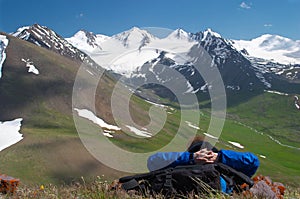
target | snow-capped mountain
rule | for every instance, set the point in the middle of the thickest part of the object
(47, 38)
(87, 41)
(125, 52)
(272, 55)
(235, 69)
(219, 48)
(138, 56)
(180, 34)
(134, 37)
(273, 48)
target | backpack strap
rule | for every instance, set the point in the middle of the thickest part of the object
(228, 180)
(168, 182)
(142, 175)
(233, 177)
(168, 185)
(131, 184)
(137, 177)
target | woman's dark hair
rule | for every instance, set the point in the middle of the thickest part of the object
(199, 143)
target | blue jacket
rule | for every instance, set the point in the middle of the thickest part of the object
(244, 162)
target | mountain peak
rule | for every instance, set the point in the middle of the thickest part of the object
(84, 33)
(134, 31)
(47, 38)
(210, 32)
(134, 37)
(34, 33)
(135, 28)
(35, 29)
(180, 34)
(86, 37)
(21, 29)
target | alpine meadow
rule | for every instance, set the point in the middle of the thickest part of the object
(127, 89)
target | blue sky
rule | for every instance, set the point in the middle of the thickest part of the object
(233, 19)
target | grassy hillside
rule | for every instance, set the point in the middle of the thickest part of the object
(258, 124)
(266, 124)
(272, 114)
(51, 151)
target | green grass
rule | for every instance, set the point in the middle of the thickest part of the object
(281, 162)
(48, 130)
(250, 124)
(273, 114)
(98, 188)
(51, 151)
(28, 159)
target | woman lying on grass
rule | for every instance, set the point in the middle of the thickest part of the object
(202, 152)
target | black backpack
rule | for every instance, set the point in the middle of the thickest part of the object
(183, 180)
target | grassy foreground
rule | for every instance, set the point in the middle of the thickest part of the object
(101, 189)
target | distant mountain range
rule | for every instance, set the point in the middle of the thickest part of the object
(140, 57)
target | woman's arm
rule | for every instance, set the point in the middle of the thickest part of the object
(244, 162)
(168, 159)
(172, 159)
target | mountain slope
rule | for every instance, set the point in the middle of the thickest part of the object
(51, 150)
(44, 101)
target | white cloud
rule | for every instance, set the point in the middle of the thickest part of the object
(268, 25)
(245, 5)
(80, 15)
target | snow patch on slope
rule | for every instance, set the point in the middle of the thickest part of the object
(297, 102)
(236, 144)
(30, 66)
(276, 92)
(3, 45)
(263, 156)
(9, 133)
(92, 117)
(139, 132)
(192, 125)
(211, 136)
